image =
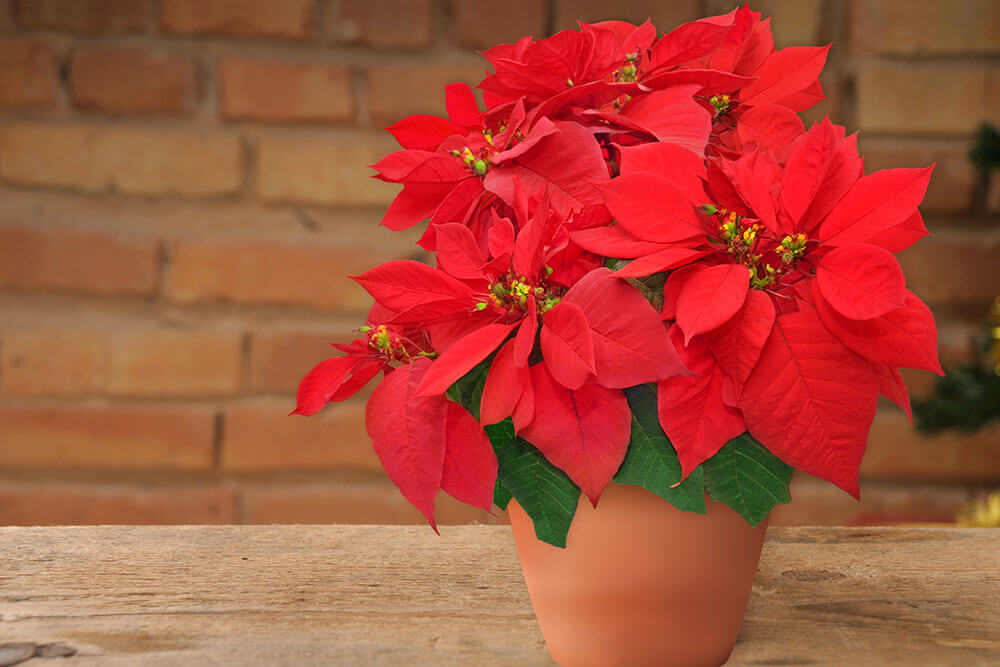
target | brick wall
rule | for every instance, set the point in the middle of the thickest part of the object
(183, 191)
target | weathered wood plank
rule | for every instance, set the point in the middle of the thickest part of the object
(380, 595)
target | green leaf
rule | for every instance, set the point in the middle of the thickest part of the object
(651, 461)
(748, 478)
(543, 491)
(467, 391)
(501, 496)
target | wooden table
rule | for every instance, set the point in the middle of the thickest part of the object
(381, 595)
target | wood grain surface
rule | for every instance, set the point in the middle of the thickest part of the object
(397, 595)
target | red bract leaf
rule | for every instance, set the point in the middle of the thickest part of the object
(785, 72)
(613, 241)
(567, 345)
(402, 284)
(738, 342)
(630, 342)
(462, 356)
(524, 411)
(662, 260)
(771, 127)
(584, 433)
(524, 341)
(568, 164)
(505, 383)
(672, 289)
(686, 42)
(414, 203)
(905, 337)
(470, 466)
(681, 167)
(692, 413)
(806, 98)
(844, 171)
(891, 385)
(877, 201)
(808, 163)
(861, 281)
(360, 376)
(408, 433)
(672, 115)
(709, 81)
(322, 382)
(458, 254)
(461, 104)
(652, 208)
(711, 295)
(421, 132)
(902, 236)
(811, 401)
(413, 166)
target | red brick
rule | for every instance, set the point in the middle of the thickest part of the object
(793, 22)
(51, 363)
(262, 436)
(159, 363)
(896, 450)
(956, 268)
(396, 91)
(114, 438)
(819, 503)
(924, 26)
(133, 161)
(279, 359)
(288, 19)
(285, 91)
(260, 272)
(28, 74)
(52, 504)
(328, 172)
(131, 80)
(912, 98)
(352, 503)
(62, 259)
(385, 23)
(951, 185)
(483, 23)
(665, 15)
(87, 16)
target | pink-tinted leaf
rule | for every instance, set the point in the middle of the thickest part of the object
(785, 72)
(584, 433)
(505, 382)
(462, 356)
(861, 281)
(652, 209)
(692, 413)
(711, 295)
(876, 202)
(319, 385)
(811, 401)
(421, 132)
(408, 433)
(567, 345)
(662, 260)
(470, 466)
(631, 346)
(672, 115)
(738, 342)
(905, 337)
(402, 284)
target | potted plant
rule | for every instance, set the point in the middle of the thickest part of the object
(654, 294)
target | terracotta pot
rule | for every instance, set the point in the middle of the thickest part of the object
(640, 582)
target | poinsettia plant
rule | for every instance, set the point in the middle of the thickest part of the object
(646, 271)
